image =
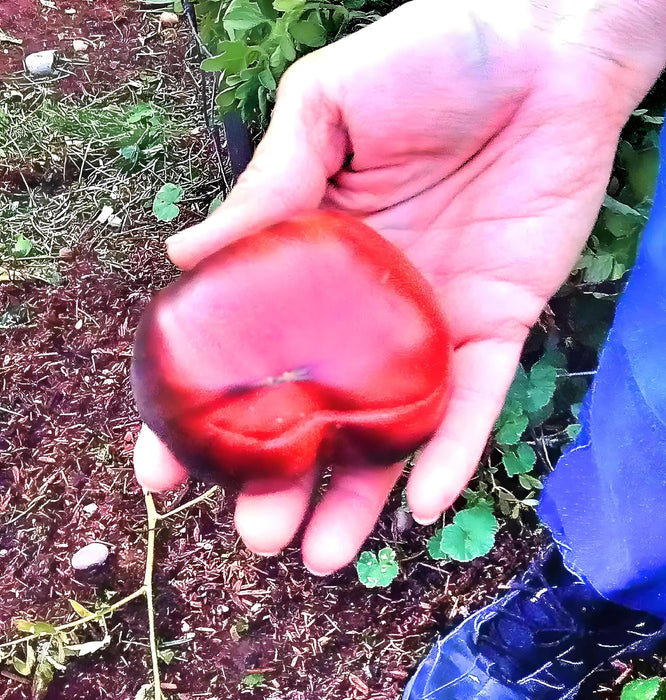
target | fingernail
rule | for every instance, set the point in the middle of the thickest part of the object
(425, 521)
(267, 554)
(317, 573)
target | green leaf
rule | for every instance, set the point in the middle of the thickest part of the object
(42, 679)
(130, 153)
(22, 246)
(543, 376)
(309, 32)
(287, 5)
(226, 100)
(141, 112)
(164, 204)
(253, 680)
(618, 207)
(471, 535)
(242, 15)
(166, 655)
(512, 429)
(519, 460)
(573, 430)
(232, 57)
(178, 7)
(648, 689)
(79, 609)
(267, 80)
(214, 205)
(529, 482)
(377, 569)
(286, 46)
(598, 267)
(34, 627)
(25, 667)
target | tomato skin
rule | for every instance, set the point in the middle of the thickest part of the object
(312, 340)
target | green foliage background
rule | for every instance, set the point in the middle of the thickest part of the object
(252, 43)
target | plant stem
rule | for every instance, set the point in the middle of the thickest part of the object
(153, 517)
(189, 504)
(82, 621)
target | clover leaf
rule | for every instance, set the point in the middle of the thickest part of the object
(648, 689)
(164, 204)
(377, 569)
(471, 535)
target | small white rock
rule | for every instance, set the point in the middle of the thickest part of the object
(114, 221)
(40, 64)
(79, 45)
(106, 212)
(90, 508)
(168, 19)
(185, 627)
(93, 554)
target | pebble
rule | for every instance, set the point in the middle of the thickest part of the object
(79, 45)
(90, 508)
(94, 554)
(40, 64)
(168, 19)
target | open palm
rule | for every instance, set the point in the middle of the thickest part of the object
(480, 150)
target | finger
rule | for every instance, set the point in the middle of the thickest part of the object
(482, 374)
(156, 469)
(346, 516)
(270, 511)
(305, 145)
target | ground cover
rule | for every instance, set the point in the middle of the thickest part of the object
(81, 159)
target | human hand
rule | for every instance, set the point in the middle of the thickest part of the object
(480, 142)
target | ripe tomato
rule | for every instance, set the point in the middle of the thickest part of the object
(312, 340)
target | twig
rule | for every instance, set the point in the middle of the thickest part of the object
(148, 586)
(189, 504)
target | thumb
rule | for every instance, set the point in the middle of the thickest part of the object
(305, 144)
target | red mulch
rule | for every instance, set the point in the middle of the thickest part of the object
(118, 36)
(68, 428)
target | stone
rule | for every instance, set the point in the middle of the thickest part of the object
(40, 64)
(94, 554)
(168, 19)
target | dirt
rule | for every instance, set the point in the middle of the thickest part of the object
(119, 40)
(68, 429)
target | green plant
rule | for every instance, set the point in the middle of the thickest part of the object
(377, 570)
(166, 199)
(48, 647)
(471, 535)
(648, 689)
(252, 42)
(253, 680)
(22, 246)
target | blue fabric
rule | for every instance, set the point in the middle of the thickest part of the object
(545, 639)
(605, 503)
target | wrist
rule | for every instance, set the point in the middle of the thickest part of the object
(625, 39)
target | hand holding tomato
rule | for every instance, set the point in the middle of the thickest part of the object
(478, 139)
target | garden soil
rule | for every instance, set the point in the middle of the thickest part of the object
(67, 429)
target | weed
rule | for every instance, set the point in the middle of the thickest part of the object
(48, 648)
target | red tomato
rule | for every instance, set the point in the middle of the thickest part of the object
(312, 340)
